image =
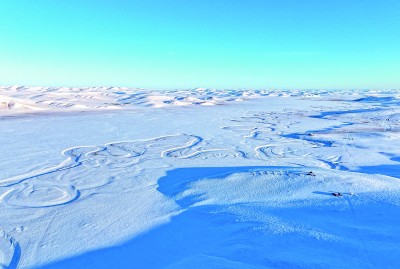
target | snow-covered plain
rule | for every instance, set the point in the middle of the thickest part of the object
(131, 178)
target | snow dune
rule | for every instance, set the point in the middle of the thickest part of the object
(19, 99)
(199, 178)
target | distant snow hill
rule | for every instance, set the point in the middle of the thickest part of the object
(19, 99)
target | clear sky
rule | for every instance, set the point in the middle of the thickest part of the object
(201, 43)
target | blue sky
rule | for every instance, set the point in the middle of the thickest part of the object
(201, 43)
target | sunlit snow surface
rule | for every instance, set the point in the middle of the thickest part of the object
(129, 178)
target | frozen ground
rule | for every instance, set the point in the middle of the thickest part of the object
(128, 178)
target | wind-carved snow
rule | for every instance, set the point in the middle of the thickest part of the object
(245, 185)
(64, 182)
(19, 99)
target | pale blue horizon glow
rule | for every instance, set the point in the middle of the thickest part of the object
(201, 43)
